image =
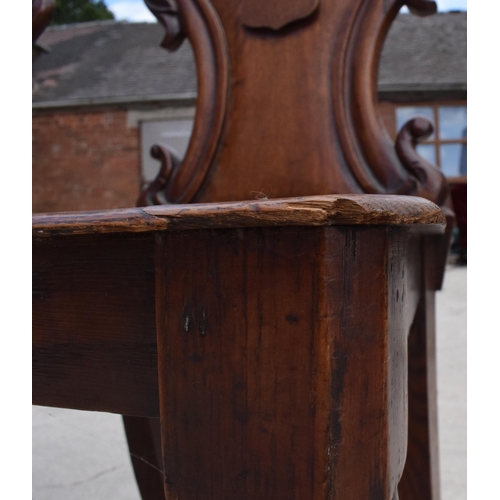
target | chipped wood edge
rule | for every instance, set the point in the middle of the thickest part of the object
(130, 220)
(389, 210)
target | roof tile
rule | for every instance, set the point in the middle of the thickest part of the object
(111, 60)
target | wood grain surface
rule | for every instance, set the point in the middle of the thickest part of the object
(144, 443)
(274, 14)
(421, 477)
(95, 347)
(290, 393)
(306, 211)
(198, 21)
(275, 328)
(296, 392)
(94, 336)
(287, 103)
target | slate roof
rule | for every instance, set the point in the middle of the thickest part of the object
(109, 61)
(428, 53)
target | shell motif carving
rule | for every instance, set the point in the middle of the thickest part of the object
(198, 21)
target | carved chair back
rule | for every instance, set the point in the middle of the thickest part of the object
(287, 103)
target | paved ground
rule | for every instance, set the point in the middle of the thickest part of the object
(83, 455)
(451, 324)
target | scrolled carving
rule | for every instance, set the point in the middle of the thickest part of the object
(42, 11)
(199, 22)
(154, 194)
(431, 182)
(421, 7)
(166, 12)
(368, 149)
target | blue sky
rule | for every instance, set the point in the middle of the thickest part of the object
(135, 10)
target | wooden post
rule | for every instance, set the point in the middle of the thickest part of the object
(282, 363)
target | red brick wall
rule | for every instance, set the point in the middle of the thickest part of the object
(89, 159)
(387, 111)
(84, 159)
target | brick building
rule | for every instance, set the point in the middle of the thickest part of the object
(105, 92)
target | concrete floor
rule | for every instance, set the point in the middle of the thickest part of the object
(83, 455)
(451, 345)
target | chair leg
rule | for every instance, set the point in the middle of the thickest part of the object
(144, 443)
(420, 480)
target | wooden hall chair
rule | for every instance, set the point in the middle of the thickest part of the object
(268, 338)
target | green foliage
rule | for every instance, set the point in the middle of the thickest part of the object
(79, 11)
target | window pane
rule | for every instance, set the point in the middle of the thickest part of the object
(428, 152)
(454, 159)
(452, 122)
(403, 114)
(173, 133)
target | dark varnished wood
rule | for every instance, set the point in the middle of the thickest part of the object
(167, 13)
(291, 363)
(297, 394)
(421, 476)
(42, 11)
(301, 120)
(420, 480)
(94, 336)
(293, 334)
(144, 443)
(404, 272)
(437, 251)
(430, 179)
(75, 250)
(93, 286)
(154, 193)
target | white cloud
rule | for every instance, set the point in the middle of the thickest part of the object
(131, 11)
